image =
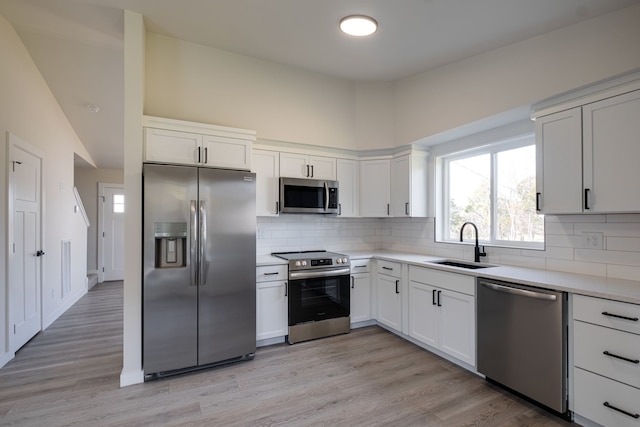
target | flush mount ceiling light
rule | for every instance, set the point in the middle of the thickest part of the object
(358, 25)
(93, 108)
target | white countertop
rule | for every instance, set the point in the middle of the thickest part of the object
(601, 287)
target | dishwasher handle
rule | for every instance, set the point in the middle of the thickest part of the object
(520, 292)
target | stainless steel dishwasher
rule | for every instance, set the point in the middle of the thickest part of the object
(522, 340)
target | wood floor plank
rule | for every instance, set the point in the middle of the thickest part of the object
(68, 375)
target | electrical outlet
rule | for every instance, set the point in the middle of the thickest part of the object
(592, 240)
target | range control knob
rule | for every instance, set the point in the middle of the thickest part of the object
(304, 263)
(338, 260)
(344, 260)
(297, 263)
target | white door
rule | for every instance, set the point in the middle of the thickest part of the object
(111, 232)
(25, 254)
(375, 188)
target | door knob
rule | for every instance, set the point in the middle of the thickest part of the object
(39, 253)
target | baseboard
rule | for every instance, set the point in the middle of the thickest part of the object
(5, 358)
(131, 378)
(269, 341)
(64, 307)
(362, 324)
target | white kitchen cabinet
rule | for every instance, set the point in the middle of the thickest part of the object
(188, 143)
(375, 188)
(389, 299)
(294, 165)
(266, 165)
(169, 146)
(606, 355)
(360, 290)
(409, 185)
(347, 173)
(611, 149)
(442, 312)
(587, 157)
(271, 302)
(559, 162)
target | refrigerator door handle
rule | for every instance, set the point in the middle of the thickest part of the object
(203, 242)
(193, 254)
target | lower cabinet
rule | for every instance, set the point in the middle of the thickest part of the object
(441, 317)
(271, 302)
(606, 373)
(389, 286)
(360, 291)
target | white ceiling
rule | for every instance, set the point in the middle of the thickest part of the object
(77, 44)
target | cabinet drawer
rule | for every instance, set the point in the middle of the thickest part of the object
(612, 314)
(389, 268)
(592, 391)
(590, 344)
(360, 266)
(443, 279)
(267, 273)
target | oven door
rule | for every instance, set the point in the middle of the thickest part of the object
(318, 295)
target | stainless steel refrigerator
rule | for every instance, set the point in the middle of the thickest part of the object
(199, 288)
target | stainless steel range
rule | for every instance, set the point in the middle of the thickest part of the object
(318, 293)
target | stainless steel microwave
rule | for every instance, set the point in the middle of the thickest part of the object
(299, 195)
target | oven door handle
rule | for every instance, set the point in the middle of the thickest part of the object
(298, 275)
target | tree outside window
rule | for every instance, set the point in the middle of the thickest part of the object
(495, 188)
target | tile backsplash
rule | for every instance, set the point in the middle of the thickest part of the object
(565, 248)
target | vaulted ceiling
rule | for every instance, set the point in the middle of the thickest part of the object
(78, 44)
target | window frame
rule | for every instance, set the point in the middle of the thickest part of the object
(443, 189)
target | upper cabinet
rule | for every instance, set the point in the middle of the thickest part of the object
(375, 188)
(189, 143)
(293, 165)
(347, 173)
(588, 157)
(266, 165)
(409, 185)
(559, 162)
(611, 151)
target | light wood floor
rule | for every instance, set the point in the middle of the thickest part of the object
(69, 375)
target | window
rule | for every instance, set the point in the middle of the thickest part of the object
(494, 187)
(118, 203)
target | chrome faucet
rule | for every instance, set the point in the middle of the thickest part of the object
(477, 253)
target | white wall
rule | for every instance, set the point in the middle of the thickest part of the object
(516, 75)
(29, 110)
(86, 180)
(134, 42)
(193, 82)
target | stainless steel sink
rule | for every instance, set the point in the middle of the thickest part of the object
(461, 264)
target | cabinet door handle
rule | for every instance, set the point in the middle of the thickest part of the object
(271, 274)
(586, 199)
(277, 207)
(307, 171)
(339, 209)
(311, 171)
(626, 359)
(352, 282)
(359, 266)
(433, 297)
(439, 303)
(387, 268)
(397, 283)
(286, 289)
(617, 316)
(622, 411)
(537, 202)
(199, 149)
(406, 208)
(206, 157)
